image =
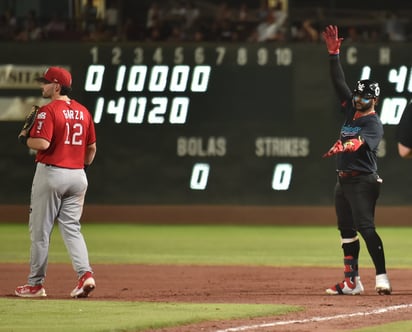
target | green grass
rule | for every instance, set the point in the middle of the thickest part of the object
(172, 244)
(88, 316)
(211, 245)
(402, 326)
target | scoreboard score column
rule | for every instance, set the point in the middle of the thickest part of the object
(205, 115)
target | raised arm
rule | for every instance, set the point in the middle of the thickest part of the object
(333, 42)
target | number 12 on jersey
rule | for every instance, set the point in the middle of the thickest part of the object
(74, 134)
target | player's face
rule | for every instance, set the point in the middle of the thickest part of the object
(363, 104)
(47, 89)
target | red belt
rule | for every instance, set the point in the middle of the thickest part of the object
(349, 174)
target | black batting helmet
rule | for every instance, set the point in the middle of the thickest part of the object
(367, 89)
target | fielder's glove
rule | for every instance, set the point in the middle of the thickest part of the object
(28, 124)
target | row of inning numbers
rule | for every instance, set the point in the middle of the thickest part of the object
(262, 56)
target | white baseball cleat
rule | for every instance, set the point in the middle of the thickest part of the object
(347, 287)
(383, 286)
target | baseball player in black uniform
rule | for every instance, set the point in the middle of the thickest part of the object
(358, 184)
(404, 133)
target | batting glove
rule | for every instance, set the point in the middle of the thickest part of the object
(336, 148)
(352, 145)
(330, 35)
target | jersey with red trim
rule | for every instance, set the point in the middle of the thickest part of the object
(368, 127)
(69, 128)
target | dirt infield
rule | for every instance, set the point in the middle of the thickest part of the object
(236, 284)
(233, 284)
(216, 214)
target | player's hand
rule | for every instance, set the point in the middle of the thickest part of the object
(352, 145)
(22, 138)
(330, 35)
(336, 148)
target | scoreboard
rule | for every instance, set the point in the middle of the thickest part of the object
(209, 123)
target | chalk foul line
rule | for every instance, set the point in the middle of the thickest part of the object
(317, 319)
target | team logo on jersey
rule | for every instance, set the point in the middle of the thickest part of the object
(41, 116)
(348, 131)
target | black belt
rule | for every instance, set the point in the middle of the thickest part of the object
(350, 174)
(51, 165)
